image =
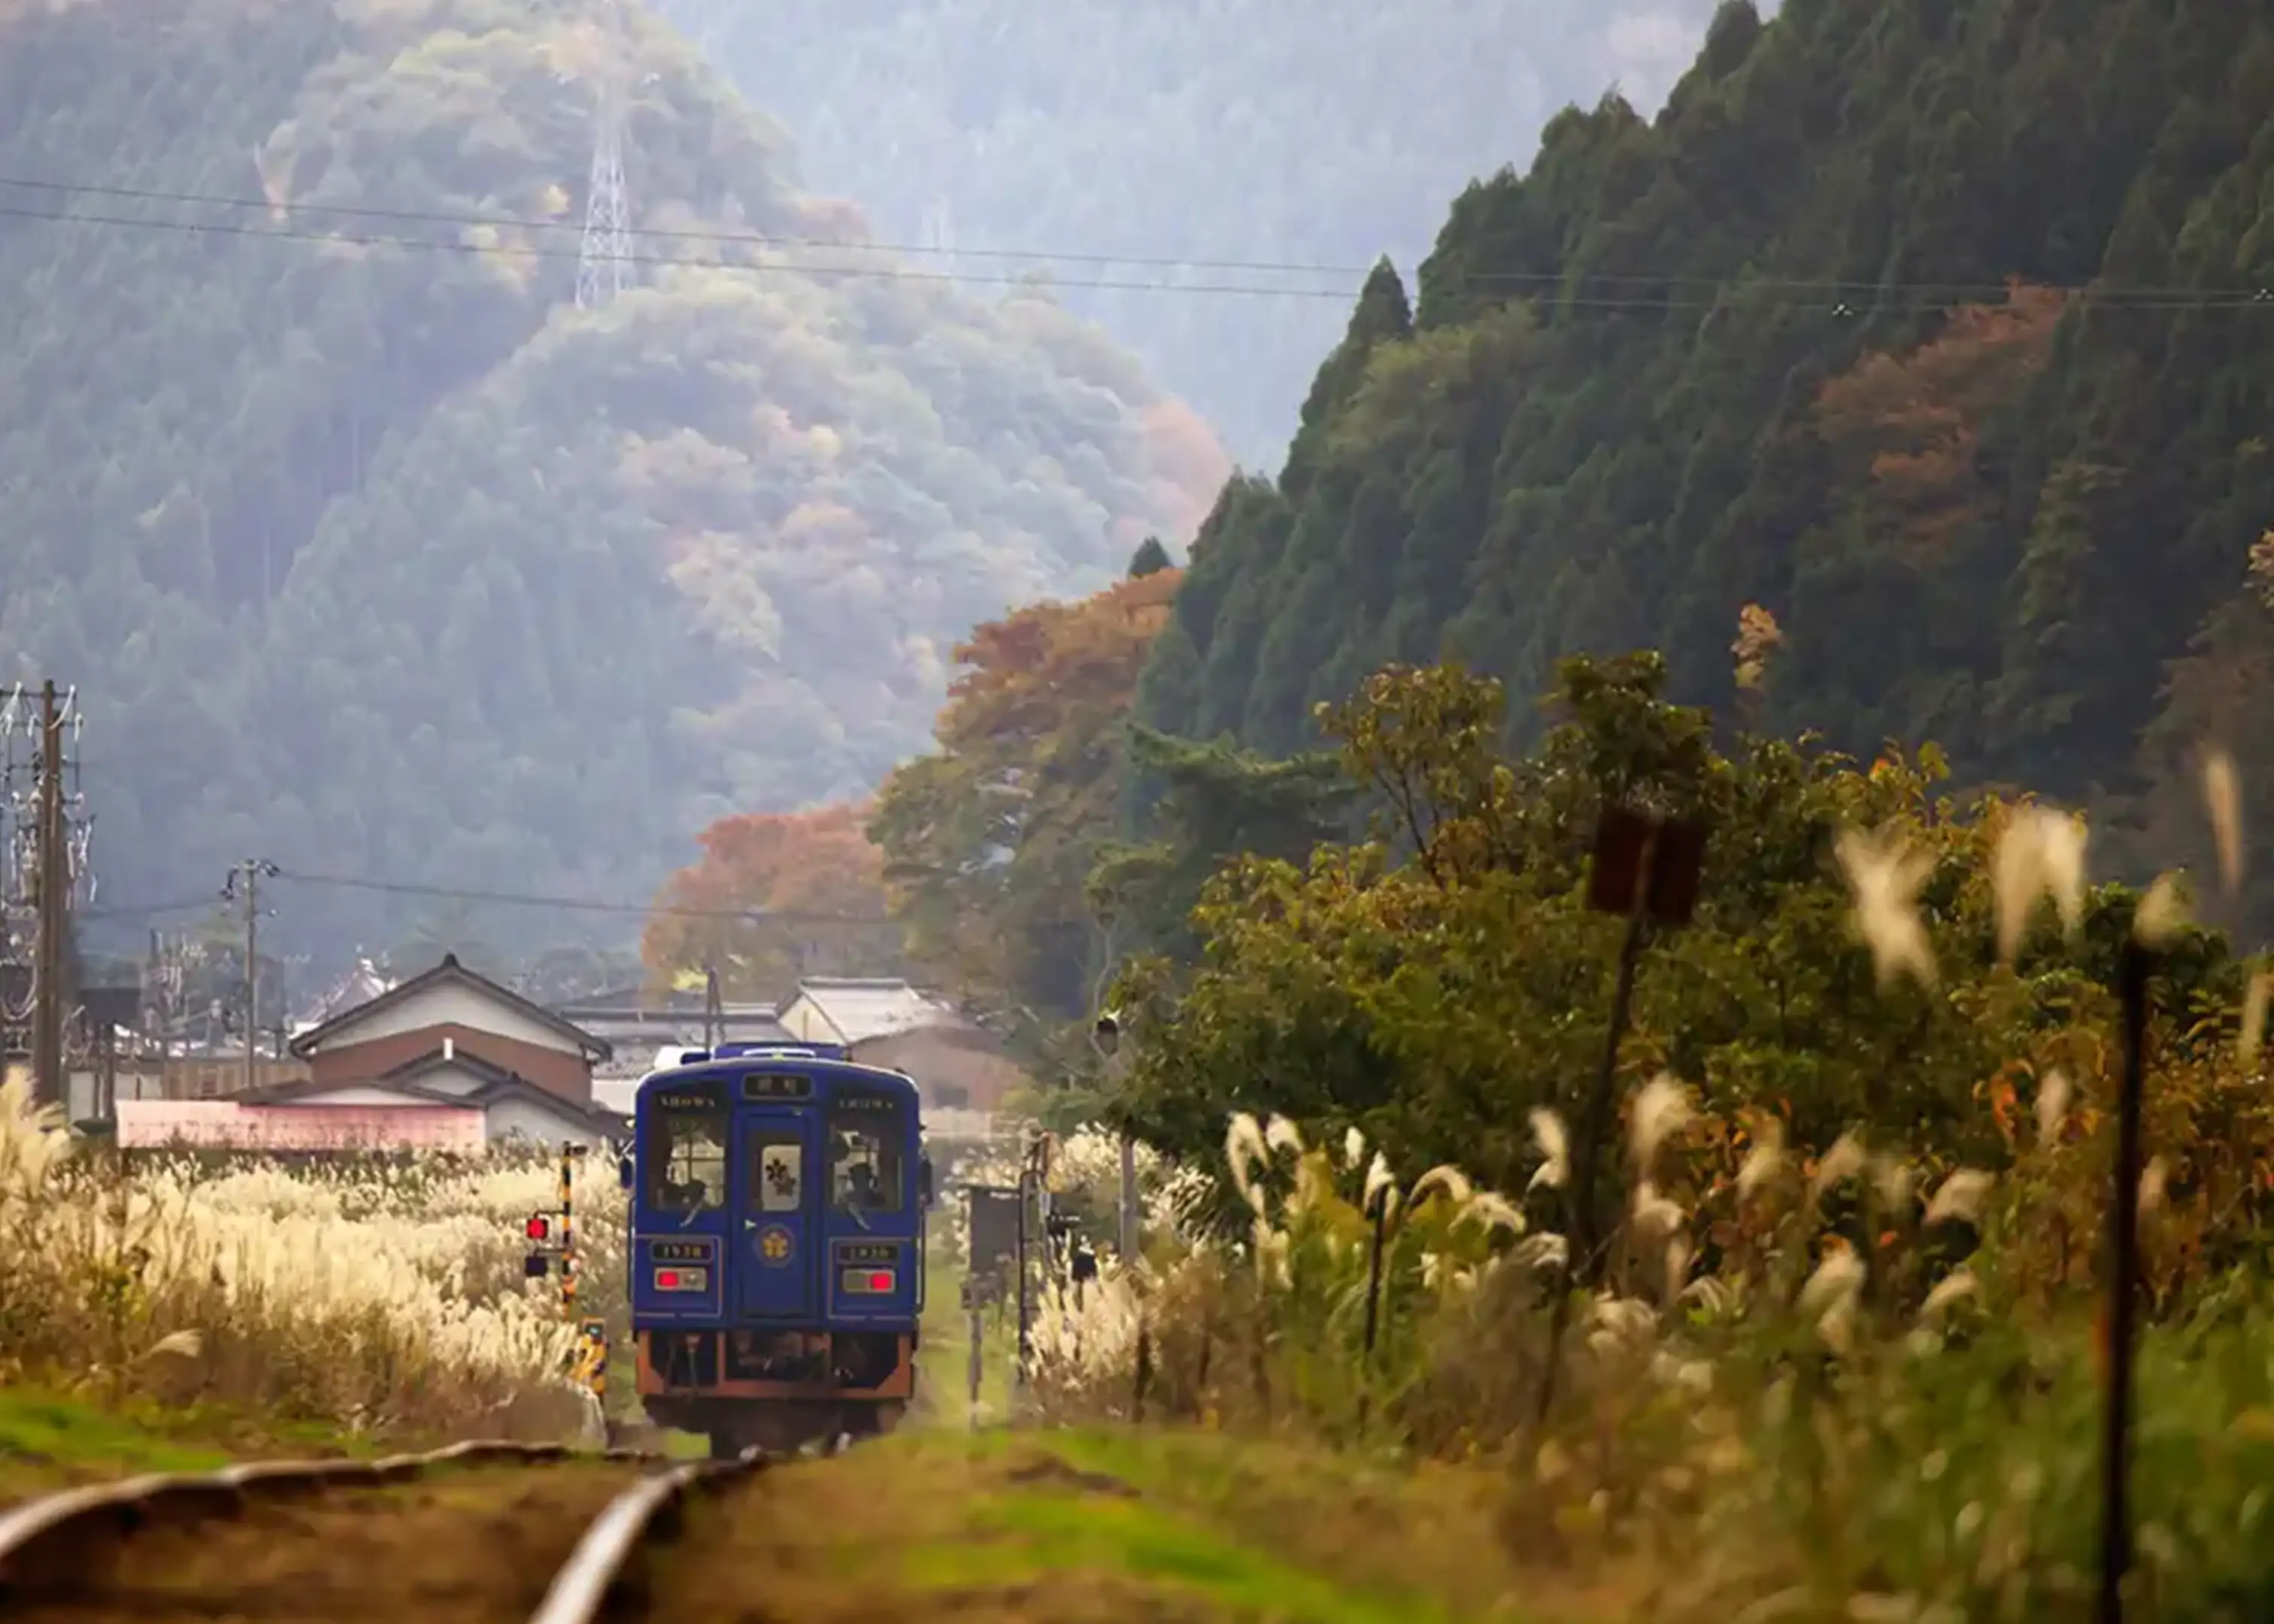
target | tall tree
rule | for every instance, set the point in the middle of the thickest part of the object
(773, 897)
(989, 839)
(2023, 254)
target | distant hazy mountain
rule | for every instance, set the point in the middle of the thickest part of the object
(1322, 133)
(372, 555)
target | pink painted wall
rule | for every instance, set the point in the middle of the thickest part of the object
(224, 1124)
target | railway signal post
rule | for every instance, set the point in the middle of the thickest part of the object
(554, 1233)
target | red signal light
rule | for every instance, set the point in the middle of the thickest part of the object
(537, 1227)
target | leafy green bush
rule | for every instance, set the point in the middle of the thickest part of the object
(1841, 1358)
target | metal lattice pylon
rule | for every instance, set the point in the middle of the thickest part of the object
(604, 265)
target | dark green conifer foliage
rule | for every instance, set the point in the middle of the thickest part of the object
(1628, 403)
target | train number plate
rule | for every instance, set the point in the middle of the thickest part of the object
(680, 1252)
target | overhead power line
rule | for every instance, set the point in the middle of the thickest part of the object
(1839, 293)
(756, 240)
(155, 910)
(870, 273)
(503, 898)
(584, 904)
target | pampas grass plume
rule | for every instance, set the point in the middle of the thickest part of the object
(1555, 1145)
(1886, 873)
(1661, 1110)
(2222, 800)
(2163, 914)
(2053, 1105)
(1960, 1199)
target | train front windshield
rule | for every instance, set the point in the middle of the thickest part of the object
(683, 1159)
(868, 1163)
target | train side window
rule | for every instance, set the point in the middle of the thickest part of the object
(777, 1182)
(686, 1160)
(865, 1174)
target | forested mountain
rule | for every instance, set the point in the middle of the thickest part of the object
(1322, 134)
(1937, 329)
(373, 555)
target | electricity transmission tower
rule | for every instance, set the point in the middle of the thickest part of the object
(938, 232)
(47, 838)
(604, 264)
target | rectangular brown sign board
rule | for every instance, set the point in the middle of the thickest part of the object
(1622, 842)
(1647, 863)
(994, 1232)
(1674, 869)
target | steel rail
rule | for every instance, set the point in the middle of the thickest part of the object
(41, 1525)
(585, 1583)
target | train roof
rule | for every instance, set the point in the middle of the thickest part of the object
(825, 1060)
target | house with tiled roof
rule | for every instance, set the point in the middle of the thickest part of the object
(957, 1065)
(452, 1038)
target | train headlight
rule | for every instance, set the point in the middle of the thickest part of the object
(868, 1282)
(682, 1280)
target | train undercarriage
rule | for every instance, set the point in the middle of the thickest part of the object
(775, 1392)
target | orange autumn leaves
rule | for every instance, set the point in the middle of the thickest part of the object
(815, 871)
(1029, 676)
(984, 841)
(1915, 421)
(989, 839)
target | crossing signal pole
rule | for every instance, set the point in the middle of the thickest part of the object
(555, 1233)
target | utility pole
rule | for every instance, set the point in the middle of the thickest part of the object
(250, 871)
(53, 877)
(714, 1013)
(1128, 1241)
(1105, 1037)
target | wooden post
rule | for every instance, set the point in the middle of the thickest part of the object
(1645, 870)
(2123, 1291)
(978, 1332)
(1373, 1306)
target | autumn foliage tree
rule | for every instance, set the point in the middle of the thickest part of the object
(1914, 424)
(989, 839)
(775, 895)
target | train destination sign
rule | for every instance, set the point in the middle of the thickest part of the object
(776, 1085)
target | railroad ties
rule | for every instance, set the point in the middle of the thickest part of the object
(55, 1540)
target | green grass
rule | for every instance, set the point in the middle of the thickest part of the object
(47, 1439)
(1102, 1524)
(1016, 1538)
(1250, 1529)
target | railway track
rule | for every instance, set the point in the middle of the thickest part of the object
(555, 1541)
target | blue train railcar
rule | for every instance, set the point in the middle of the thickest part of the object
(777, 1250)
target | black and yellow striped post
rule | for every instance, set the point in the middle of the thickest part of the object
(567, 1230)
(590, 1360)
